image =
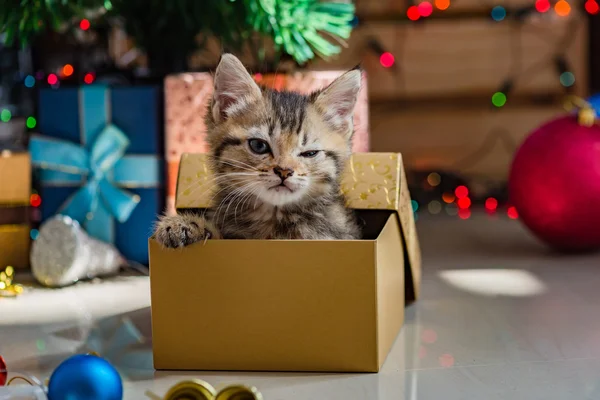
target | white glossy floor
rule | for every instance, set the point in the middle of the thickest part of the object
(500, 318)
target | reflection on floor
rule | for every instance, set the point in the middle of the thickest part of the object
(501, 317)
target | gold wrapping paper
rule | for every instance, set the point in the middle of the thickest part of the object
(15, 178)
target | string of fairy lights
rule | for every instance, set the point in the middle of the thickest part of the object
(456, 197)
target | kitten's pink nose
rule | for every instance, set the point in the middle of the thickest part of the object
(283, 173)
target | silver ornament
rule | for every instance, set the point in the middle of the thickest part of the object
(63, 253)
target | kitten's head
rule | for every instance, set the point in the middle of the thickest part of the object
(282, 147)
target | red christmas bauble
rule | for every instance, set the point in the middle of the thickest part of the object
(3, 372)
(554, 183)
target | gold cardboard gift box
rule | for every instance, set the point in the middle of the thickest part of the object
(15, 189)
(289, 305)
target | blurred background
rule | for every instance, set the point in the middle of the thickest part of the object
(454, 85)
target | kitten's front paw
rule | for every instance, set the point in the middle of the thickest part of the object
(175, 231)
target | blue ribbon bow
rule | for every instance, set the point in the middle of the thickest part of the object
(96, 166)
(102, 166)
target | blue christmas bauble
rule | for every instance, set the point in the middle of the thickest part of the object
(85, 377)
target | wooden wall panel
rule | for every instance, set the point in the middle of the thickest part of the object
(484, 5)
(447, 58)
(377, 8)
(443, 138)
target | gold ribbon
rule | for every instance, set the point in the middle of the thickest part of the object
(7, 287)
(586, 115)
(15, 378)
(197, 389)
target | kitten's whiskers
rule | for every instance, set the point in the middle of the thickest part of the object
(240, 164)
(229, 195)
(245, 199)
(216, 180)
(239, 196)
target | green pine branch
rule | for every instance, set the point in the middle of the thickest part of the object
(168, 28)
(23, 20)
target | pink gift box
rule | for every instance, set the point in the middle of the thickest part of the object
(187, 97)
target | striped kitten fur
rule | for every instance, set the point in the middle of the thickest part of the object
(277, 158)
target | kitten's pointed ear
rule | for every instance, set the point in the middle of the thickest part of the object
(234, 88)
(337, 101)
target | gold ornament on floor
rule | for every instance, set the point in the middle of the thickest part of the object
(199, 390)
(7, 287)
(586, 115)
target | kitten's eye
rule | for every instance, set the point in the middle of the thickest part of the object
(259, 146)
(310, 154)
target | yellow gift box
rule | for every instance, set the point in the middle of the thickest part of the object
(15, 189)
(289, 305)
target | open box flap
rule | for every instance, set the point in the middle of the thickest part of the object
(371, 181)
(377, 181)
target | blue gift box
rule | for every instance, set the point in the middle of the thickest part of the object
(100, 161)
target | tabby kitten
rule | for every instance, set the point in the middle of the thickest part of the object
(277, 158)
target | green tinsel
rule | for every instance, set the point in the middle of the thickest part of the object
(295, 25)
(23, 20)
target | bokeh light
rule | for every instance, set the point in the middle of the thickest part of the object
(434, 207)
(461, 191)
(446, 360)
(591, 6)
(434, 179)
(448, 198)
(29, 81)
(498, 13)
(88, 78)
(67, 70)
(31, 122)
(52, 79)
(512, 212)
(34, 233)
(499, 99)
(442, 4)
(562, 8)
(491, 204)
(464, 213)
(5, 115)
(451, 209)
(413, 13)
(415, 205)
(84, 24)
(35, 200)
(425, 9)
(463, 203)
(542, 5)
(429, 336)
(386, 59)
(567, 79)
